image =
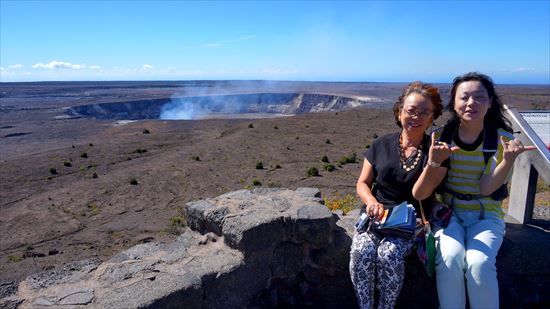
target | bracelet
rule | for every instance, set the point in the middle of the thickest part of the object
(434, 164)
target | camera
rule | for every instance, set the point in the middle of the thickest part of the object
(361, 224)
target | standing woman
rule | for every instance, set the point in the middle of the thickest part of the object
(468, 246)
(390, 169)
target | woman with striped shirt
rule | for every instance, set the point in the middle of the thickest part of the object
(468, 246)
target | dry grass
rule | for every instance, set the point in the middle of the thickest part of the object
(346, 203)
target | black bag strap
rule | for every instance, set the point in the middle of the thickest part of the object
(490, 137)
(490, 147)
(490, 141)
(449, 131)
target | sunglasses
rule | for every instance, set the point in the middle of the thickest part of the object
(416, 113)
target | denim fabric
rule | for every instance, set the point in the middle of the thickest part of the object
(465, 260)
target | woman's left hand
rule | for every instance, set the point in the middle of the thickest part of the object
(513, 149)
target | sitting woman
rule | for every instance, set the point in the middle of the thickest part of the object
(390, 169)
(468, 246)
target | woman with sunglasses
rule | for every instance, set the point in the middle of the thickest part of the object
(391, 166)
(468, 246)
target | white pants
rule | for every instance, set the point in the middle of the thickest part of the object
(467, 249)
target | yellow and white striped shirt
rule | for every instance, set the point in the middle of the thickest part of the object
(465, 172)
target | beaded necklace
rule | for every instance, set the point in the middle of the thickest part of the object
(408, 164)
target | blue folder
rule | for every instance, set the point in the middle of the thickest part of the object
(400, 221)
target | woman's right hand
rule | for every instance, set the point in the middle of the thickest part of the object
(375, 210)
(440, 151)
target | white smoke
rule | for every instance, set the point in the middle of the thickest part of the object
(182, 109)
(204, 98)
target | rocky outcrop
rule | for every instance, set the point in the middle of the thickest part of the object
(260, 248)
(265, 248)
(523, 265)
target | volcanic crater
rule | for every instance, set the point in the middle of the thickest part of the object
(256, 105)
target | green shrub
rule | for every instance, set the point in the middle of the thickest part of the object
(133, 181)
(53, 171)
(139, 151)
(325, 159)
(67, 164)
(342, 161)
(345, 159)
(329, 167)
(14, 258)
(276, 127)
(83, 155)
(176, 224)
(94, 175)
(250, 126)
(312, 171)
(177, 221)
(92, 207)
(256, 182)
(367, 146)
(259, 165)
(277, 166)
(327, 141)
(196, 158)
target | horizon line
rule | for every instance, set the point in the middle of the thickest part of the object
(249, 80)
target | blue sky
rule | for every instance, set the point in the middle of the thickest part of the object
(395, 41)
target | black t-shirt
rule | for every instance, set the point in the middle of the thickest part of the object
(393, 185)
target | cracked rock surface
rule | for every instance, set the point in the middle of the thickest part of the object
(248, 248)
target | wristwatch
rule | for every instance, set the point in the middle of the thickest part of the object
(434, 164)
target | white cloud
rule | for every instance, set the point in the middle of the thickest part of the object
(523, 70)
(267, 71)
(15, 66)
(58, 70)
(229, 41)
(58, 65)
(212, 45)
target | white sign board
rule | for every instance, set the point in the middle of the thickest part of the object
(539, 121)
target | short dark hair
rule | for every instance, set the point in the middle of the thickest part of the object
(495, 113)
(423, 89)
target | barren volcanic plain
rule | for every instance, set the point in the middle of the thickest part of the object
(76, 186)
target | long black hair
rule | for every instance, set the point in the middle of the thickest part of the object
(495, 113)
